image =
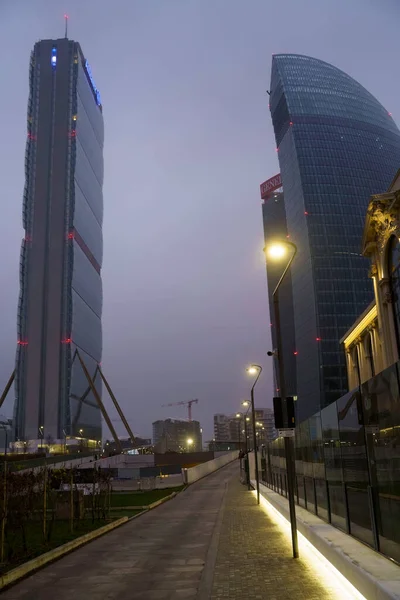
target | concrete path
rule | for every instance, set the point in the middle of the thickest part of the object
(160, 555)
(211, 542)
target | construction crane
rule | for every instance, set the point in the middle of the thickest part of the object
(182, 403)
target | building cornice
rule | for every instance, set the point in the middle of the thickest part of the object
(364, 321)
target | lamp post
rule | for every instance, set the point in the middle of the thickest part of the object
(255, 370)
(277, 251)
(3, 425)
(246, 420)
(239, 416)
(246, 403)
(41, 432)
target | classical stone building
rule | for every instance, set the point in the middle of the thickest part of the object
(372, 343)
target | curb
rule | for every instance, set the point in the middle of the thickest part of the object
(42, 560)
(162, 500)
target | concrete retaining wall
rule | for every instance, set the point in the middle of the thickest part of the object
(154, 483)
(195, 473)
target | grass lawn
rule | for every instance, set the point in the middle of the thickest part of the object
(35, 544)
(140, 498)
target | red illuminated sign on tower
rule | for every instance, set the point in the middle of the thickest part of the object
(270, 186)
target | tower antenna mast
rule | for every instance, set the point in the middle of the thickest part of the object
(66, 25)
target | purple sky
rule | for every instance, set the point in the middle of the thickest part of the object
(188, 141)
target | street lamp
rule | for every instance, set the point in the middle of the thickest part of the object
(246, 419)
(255, 370)
(277, 251)
(189, 442)
(245, 403)
(239, 416)
(41, 432)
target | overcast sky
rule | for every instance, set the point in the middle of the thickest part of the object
(188, 141)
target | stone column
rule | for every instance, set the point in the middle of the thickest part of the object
(350, 369)
(362, 362)
(355, 372)
(388, 334)
(376, 347)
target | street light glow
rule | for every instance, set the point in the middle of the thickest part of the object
(238, 415)
(189, 441)
(252, 370)
(276, 251)
(245, 403)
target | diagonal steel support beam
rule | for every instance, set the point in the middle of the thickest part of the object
(99, 402)
(7, 388)
(117, 406)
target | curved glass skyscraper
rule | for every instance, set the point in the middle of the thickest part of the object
(336, 145)
(60, 301)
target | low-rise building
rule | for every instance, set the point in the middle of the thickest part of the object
(177, 436)
(227, 428)
(231, 429)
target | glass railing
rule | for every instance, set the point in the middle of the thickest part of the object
(348, 463)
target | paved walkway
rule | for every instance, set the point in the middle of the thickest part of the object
(210, 542)
(254, 558)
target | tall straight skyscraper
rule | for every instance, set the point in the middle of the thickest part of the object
(60, 302)
(337, 145)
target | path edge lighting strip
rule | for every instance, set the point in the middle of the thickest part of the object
(331, 576)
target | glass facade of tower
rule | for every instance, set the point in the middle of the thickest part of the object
(60, 302)
(336, 145)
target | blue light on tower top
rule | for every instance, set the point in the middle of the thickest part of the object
(92, 83)
(54, 57)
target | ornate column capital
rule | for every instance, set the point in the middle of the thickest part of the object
(384, 217)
